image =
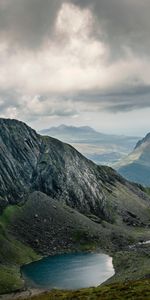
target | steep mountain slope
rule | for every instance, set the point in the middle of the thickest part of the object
(100, 148)
(47, 225)
(31, 162)
(136, 166)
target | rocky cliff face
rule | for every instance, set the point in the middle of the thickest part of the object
(19, 152)
(30, 162)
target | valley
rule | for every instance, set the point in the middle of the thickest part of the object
(74, 150)
(53, 200)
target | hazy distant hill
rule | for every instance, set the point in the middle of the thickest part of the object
(101, 148)
(136, 166)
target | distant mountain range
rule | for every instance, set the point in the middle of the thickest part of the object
(136, 166)
(102, 148)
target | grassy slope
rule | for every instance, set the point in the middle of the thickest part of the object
(135, 290)
(132, 264)
(12, 255)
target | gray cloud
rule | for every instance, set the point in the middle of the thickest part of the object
(122, 99)
(14, 104)
(124, 23)
(128, 104)
(103, 66)
(27, 22)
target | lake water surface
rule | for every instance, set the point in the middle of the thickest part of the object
(69, 271)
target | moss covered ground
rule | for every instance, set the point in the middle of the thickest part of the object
(12, 254)
(131, 290)
(10, 279)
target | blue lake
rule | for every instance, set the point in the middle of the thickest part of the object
(69, 271)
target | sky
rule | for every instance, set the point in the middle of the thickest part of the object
(76, 62)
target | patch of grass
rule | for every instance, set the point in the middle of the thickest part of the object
(131, 265)
(8, 213)
(80, 236)
(11, 250)
(88, 247)
(10, 279)
(85, 242)
(147, 190)
(13, 254)
(135, 290)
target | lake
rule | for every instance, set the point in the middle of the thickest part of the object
(69, 271)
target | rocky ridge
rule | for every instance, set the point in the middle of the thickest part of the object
(30, 162)
(136, 166)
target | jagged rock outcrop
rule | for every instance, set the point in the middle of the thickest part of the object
(30, 162)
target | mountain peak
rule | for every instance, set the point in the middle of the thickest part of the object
(12, 123)
(146, 139)
(70, 128)
(136, 166)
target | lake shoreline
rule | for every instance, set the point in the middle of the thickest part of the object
(138, 256)
(69, 271)
(28, 291)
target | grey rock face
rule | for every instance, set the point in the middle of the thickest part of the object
(19, 151)
(30, 162)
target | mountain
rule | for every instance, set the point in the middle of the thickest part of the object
(136, 166)
(30, 162)
(101, 148)
(54, 200)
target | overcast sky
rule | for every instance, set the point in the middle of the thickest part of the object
(77, 62)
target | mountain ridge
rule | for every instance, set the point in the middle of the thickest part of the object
(142, 141)
(136, 166)
(86, 128)
(66, 127)
(32, 162)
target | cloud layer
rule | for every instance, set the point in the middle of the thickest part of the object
(62, 58)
